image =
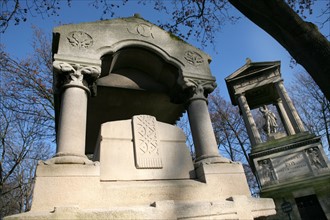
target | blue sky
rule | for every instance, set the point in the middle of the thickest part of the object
(233, 45)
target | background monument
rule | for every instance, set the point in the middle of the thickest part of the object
(290, 165)
(120, 85)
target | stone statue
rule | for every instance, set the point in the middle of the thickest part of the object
(270, 125)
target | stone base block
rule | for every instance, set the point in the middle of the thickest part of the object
(237, 207)
(230, 177)
(76, 191)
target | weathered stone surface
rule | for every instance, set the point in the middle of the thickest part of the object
(291, 163)
(76, 192)
(103, 37)
(119, 142)
(238, 207)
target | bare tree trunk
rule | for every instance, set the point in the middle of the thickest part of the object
(325, 119)
(301, 39)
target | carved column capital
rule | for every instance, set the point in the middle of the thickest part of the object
(238, 95)
(279, 100)
(197, 89)
(76, 75)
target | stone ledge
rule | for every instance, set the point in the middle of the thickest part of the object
(236, 207)
(61, 170)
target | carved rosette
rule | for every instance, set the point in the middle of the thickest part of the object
(193, 58)
(80, 39)
(78, 75)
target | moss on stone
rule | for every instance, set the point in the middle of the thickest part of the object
(282, 141)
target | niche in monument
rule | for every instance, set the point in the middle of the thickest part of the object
(133, 81)
(269, 122)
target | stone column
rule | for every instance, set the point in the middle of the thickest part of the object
(73, 82)
(289, 108)
(285, 119)
(250, 125)
(206, 147)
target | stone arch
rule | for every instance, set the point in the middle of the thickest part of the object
(133, 61)
(163, 52)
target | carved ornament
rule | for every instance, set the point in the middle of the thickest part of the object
(80, 39)
(193, 58)
(71, 74)
(144, 30)
(207, 85)
(196, 88)
(257, 79)
(266, 171)
(146, 143)
(315, 157)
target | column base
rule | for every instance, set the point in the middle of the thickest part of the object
(68, 158)
(208, 159)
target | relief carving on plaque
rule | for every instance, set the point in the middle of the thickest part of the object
(267, 174)
(315, 157)
(146, 143)
(80, 39)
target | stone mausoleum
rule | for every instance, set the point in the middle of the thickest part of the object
(120, 86)
(290, 164)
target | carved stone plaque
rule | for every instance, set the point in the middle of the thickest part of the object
(146, 143)
(266, 171)
(290, 166)
(315, 158)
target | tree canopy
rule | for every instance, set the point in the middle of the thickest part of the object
(202, 19)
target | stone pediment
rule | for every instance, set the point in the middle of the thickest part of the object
(252, 68)
(254, 76)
